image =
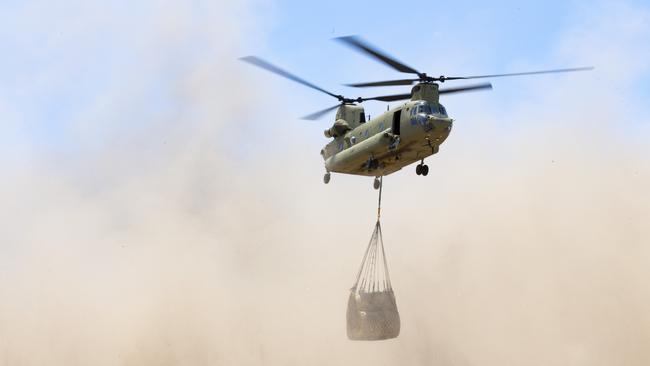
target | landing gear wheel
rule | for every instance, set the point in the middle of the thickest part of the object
(377, 183)
(422, 169)
(326, 178)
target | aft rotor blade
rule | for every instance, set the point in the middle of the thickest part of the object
(276, 70)
(390, 98)
(362, 46)
(466, 88)
(316, 115)
(520, 73)
(384, 83)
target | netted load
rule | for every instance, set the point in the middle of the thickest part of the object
(372, 311)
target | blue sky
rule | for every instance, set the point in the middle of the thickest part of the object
(497, 36)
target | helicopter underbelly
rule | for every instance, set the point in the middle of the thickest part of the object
(414, 145)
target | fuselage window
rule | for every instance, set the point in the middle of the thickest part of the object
(414, 111)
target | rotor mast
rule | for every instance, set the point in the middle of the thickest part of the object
(426, 91)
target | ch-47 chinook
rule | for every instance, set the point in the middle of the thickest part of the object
(400, 136)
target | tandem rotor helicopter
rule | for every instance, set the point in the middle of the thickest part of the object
(400, 136)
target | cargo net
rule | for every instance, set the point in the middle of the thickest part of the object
(372, 311)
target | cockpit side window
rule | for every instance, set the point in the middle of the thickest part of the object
(443, 111)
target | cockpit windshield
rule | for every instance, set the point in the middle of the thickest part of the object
(442, 109)
(424, 108)
(430, 108)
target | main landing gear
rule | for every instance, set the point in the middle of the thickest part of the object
(377, 183)
(422, 169)
(326, 178)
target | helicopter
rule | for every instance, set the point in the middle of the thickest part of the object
(398, 137)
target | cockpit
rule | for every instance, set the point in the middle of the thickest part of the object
(425, 107)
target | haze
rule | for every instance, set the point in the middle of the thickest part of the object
(162, 204)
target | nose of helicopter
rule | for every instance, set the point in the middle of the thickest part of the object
(440, 124)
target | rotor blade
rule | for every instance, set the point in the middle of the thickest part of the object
(276, 70)
(394, 97)
(360, 45)
(390, 98)
(319, 114)
(521, 73)
(466, 88)
(384, 83)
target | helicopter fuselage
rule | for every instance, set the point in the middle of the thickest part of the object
(391, 141)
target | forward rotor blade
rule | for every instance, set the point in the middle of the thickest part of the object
(316, 115)
(390, 98)
(362, 46)
(466, 88)
(521, 73)
(384, 83)
(276, 70)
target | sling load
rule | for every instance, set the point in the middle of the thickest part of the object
(372, 310)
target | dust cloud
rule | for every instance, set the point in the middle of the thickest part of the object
(172, 232)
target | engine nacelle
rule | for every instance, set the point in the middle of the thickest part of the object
(339, 128)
